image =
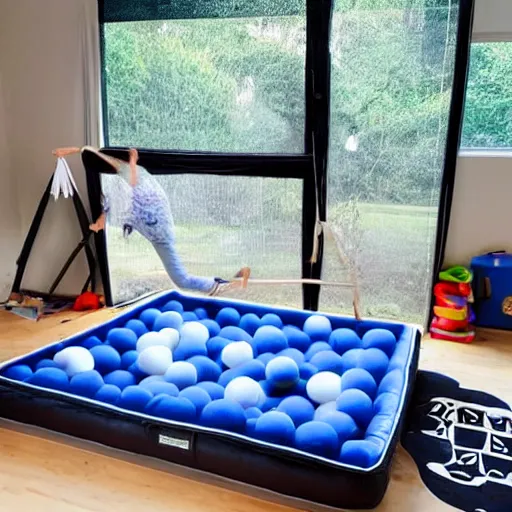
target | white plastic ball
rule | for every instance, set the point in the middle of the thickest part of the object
(155, 360)
(194, 331)
(324, 387)
(236, 354)
(172, 335)
(182, 374)
(244, 390)
(74, 360)
(152, 339)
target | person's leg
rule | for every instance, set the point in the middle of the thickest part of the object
(178, 273)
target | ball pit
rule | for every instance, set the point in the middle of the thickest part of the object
(307, 382)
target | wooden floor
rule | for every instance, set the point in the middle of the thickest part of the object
(42, 471)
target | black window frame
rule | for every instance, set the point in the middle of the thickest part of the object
(311, 166)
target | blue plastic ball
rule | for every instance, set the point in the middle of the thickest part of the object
(120, 378)
(275, 427)
(270, 403)
(324, 410)
(380, 338)
(266, 357)
(109, 394)
(250, 426)
(374, 361)
(137, 372)
(169, 319)
(282, 372)
(137, 326)
(151, 378)
(234, 333)
(315, 348)
(106, 359)
(160, 387)
(250, 323)
(91, 341)
(135, 398)
(307, 370)
(148, 316)
(327, 361)
(189, 348)
(201, 313)
(86, 383)
(351, 358)
(272, 319)
(19, 372)
(252, 412)
(319, 438)
(129, 358)
(392, 383)
(360, 453)
(298, 408)
(357, 378)
(215, 346)
(212, 326)
(224, 415)
(46, 363)
(181, 374)
(386, 403)
(296, 338)
(300, 388)
(317, 327)
(294, 354)
(216, 391)
(343, 424)
(189, 316)
(53, 378)
(356, 404)
(198, 396)
(173, 305)
(342, 340)
(206, 368)
(122, 339)
(269, 338)
(254, 369)
(228, 316)
(172, 408)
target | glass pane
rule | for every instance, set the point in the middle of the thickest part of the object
(226, 85)
(222, 223)
(391, 78)
(488, 114)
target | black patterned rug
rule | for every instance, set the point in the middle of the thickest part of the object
(461, 441)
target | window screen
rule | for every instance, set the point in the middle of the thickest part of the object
(222, 223)
(488, 115)
(391, 77)
(230, 84)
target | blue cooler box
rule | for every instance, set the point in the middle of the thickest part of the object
(492, 288)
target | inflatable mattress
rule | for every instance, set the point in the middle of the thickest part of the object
(304, 404)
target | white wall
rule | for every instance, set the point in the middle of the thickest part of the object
(45, 103)
(10, 239)
(481, 218)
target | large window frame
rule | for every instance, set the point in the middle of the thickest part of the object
(311, 165)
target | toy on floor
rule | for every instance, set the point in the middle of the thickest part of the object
(453, 315)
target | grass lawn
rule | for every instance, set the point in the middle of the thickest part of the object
(392, 246)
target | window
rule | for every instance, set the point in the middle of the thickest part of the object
(391, 92)
(225, 85)
(488, 111)
(222, 223)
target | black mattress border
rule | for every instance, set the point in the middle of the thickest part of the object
(287, 472)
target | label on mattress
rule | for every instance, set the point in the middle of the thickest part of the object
(183, 444)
